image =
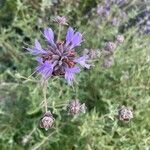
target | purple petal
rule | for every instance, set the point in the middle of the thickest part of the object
(46, 69)
(69, 36)
(69, 74)
(49, 35)
(37, 45)
(39, 60)
(37, 49)
(76, 40)
(82, 61)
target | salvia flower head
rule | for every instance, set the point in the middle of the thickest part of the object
(120, 38)
(125, 113)
(59, 58)
(75, 107)
(47, 121)
(61, 20)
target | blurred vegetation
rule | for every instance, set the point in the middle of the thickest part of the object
(127, 82)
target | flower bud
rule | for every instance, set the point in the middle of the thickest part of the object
(120, 38)
(47, 121)
(75, 107)
(125, 113)
(61, 20)
(110, 46)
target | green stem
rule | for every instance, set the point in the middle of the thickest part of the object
(44, 94)
(59, 31)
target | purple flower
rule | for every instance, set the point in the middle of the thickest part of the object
(59, 58)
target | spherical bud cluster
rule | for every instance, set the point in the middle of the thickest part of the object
(110, 46)
(120, 38)
(125, 113)
(47, 121)
(61, 20)
(75, 107)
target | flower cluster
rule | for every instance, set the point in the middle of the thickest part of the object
(59, 58)
(74, 108)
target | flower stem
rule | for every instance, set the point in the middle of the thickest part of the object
(59, 31)
(44, 94)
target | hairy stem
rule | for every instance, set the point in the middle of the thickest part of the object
(59, 31)
(44, 94)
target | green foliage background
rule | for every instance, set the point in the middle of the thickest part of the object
(103, 90)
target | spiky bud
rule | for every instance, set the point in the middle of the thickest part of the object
(75, 107)
(61, 20)
(125, 113)
(110, 46)
(120, 38)
(47, 121)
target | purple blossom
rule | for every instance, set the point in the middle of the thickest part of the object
(59, 58)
